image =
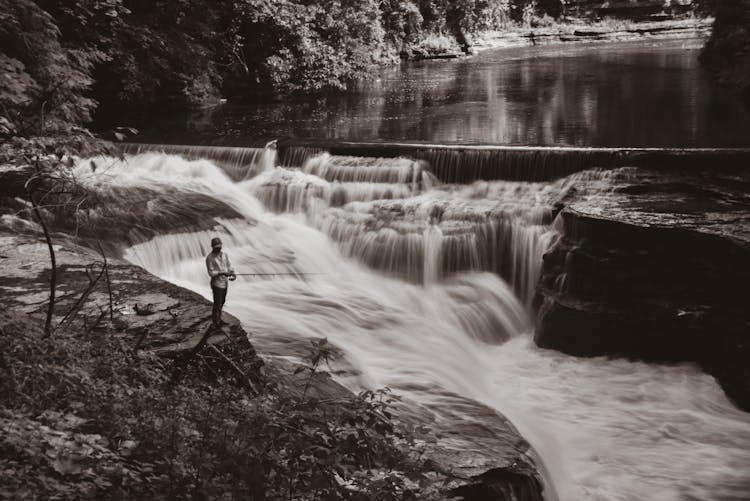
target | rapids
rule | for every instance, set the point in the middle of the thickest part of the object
(427, 288)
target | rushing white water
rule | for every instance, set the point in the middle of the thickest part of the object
(408, 295)
(238, 163)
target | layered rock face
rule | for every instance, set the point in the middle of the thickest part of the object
(655, 269)
(727, 52)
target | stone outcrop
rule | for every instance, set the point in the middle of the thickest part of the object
(140, 213)
(148, 313)
(656, 269)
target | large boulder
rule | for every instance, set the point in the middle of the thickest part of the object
(656, 270)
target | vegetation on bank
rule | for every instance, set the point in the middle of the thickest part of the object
(83, 417)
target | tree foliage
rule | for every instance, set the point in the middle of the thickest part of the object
(40, 72)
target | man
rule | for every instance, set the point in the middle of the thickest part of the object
(220, 269)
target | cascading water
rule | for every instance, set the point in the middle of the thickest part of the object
(238, 163)
(410, 291)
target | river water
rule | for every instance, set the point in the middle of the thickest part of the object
(426, 288)
(636, 94)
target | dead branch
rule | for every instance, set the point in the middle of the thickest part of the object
(109, 284)
(242, 377)
(98, 320)
(180, 364)
(43, 206)
(53, 271)
(81, 300)
(139, 341)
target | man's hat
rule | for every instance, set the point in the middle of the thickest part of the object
(215, 242)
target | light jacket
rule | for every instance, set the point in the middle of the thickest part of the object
(217, 264)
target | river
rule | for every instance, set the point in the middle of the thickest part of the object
(633, 94)
(427, 287)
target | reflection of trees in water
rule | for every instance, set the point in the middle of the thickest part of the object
(597, 97)
(608, 98)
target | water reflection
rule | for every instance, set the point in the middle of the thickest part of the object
(626, 94)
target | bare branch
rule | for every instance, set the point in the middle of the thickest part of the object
(81, 300)
(243, 378)
(183, 361)
(53, 271)
(109, 284)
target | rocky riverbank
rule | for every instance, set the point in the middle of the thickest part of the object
(654, 269)
(563, 32)
(583, 32)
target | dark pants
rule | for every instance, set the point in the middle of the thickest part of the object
(220, 296)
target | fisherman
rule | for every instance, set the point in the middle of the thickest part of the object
(220, 269)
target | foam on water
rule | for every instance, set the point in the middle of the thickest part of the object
(239, 163)
(606, 429)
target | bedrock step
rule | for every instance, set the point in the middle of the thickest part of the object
(656, 292)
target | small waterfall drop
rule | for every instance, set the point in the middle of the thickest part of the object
(426, 291)
(239, 163)
(433, 243)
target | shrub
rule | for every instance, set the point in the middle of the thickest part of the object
(84, 418)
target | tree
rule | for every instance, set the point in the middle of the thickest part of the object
(44, 82)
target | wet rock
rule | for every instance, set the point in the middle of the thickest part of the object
(479, 451)
(119, 217)
(501, 484)
(655, 270)
(148, 312)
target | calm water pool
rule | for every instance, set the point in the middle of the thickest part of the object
(599, 94)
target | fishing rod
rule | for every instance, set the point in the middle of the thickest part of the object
(271, 274)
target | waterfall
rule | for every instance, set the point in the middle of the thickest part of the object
(461, 164)
(433, 249)
(468, 163)
(370, 170)
(376, 209)
(297, 156)
(239, 163)
(426, 292)
(514, 164)
(452, 163)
